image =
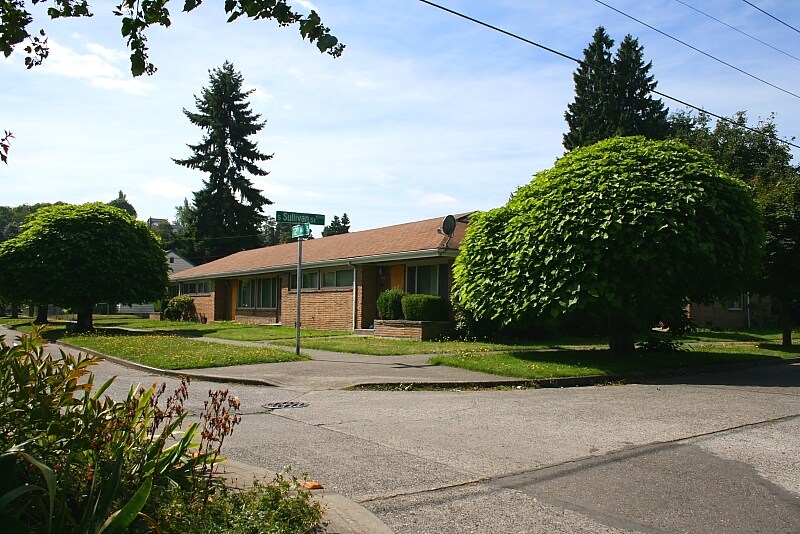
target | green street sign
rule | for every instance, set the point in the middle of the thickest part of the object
(301, 230)
(299, 218)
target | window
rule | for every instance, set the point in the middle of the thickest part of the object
(194, 288)
(735, 304)
(268, 293)
(430, 279)
(246, 288)
(310, 280)
(258, 293)
(342, 278)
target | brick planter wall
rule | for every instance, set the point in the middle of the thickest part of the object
(204, 304)
(417, 330)
(265, 316)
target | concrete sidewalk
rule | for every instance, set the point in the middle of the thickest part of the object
(334, 370)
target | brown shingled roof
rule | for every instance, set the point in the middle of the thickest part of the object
(414, 239)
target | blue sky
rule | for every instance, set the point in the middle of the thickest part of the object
(425, 114)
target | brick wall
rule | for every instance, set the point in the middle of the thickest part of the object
(417, 330)
(244, 315)
(719, 315)
(204, 305)
(323, 308)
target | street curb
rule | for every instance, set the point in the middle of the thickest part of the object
(580, 381)
(173, 373)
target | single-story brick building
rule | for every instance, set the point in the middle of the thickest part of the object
(341, 278)
(741, 312)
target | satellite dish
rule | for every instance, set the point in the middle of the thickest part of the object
(449, 225)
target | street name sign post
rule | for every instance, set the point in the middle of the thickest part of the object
(300, 231)
(299, 218)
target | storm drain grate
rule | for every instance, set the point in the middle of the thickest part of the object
(284, 405)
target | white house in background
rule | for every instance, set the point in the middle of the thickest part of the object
(176, 263)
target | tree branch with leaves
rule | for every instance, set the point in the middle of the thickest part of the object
(139, 15)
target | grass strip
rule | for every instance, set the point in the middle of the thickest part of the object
(219, 329)
(269, 333)
(174, 352)
(381, 346)
(576, 363)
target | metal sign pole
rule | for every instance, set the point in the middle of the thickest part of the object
(299, 291)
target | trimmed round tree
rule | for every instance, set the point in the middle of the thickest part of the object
(76, 256)
(627, 226)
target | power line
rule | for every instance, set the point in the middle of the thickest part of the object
(738, 30)
(771, 16)
(684, 43)
(580, 62)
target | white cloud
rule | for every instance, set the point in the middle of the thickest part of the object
(95, 68)
(108, 54)
(258, 93)
(308, 5)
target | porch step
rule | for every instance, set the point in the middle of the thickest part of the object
(364, 332)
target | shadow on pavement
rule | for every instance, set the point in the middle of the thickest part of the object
(779, 375)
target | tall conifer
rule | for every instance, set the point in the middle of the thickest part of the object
(589, 116)
(226, 215)
(636, 112)
(613, 95)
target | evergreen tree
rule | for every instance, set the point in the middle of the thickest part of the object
(589, 116)
(121, 202)
(612, 95)
(337, 226)
(635, 111)
(226, 215)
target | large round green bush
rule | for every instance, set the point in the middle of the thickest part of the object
(627, 226)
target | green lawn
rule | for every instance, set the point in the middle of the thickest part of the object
(218, 329)
(377, 346)
(570, 357)
(754, 335)
(169, 351)
(564, 363)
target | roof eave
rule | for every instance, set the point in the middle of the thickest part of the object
(359, 260)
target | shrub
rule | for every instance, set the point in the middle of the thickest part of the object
(74, 460)
(424, 307)
(390, 304)
(181, 308)
(282, 506)
(96, 456)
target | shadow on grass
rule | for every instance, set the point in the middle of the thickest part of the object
(727, 336)
(792, 349)
(587, 362)
(639, 361)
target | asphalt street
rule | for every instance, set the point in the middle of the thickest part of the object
(705, 453)
(709, 453)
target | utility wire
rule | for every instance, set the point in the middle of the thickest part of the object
(684, 43)
(738, 30)
(580, 62)
(771, 16)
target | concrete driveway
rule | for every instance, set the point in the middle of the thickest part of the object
(709, 453)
